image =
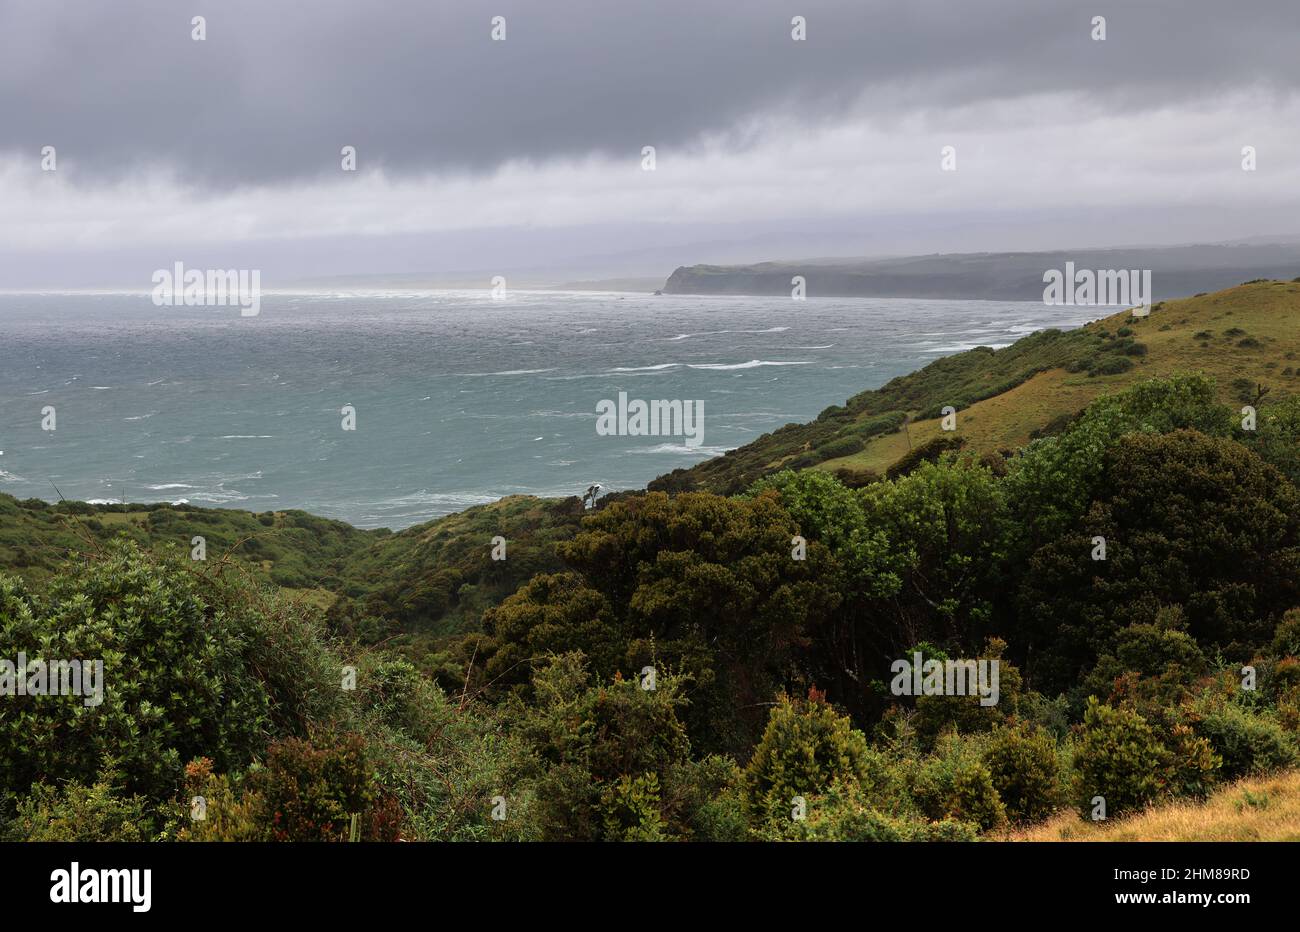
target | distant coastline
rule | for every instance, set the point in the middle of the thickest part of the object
(1178, 271)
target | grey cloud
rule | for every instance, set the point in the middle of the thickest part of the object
(279, 87)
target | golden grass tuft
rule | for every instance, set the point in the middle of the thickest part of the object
(1254, 809)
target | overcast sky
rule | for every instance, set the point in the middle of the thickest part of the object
(526, 153)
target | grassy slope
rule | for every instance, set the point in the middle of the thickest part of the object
(1003, 397)
(1255, 809)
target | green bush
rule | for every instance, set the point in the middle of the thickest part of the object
(844, 446)
(631, 809)
(1193, 768)
(1110, 365)
(845, 813)
(807, 746)
(1023, 765)
(1250, 742)
(1118, 757)
(309, 793)
(75, 812)
(710, 794)
(589, 752)
(1286, 637)
(957, 784)
(192, 665)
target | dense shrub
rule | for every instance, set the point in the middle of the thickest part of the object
(1249, 742)
(957, 784)
(843, 446)
(845, 813)
(75, 812)
(1118, 757)
(310, 793)
(1187, 519)
(1023, 765)
(192, 666)
(603, 762)
(807, 746)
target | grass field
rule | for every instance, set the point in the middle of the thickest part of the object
(1255, 809)
(1244, 337)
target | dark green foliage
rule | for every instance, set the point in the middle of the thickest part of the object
(551, 613)
(1110, 365)
(609, 762)
(699, 584)
(957, 784)
(294, 545)
(1053, 480)
(945, 529)
(841, 446)
(1023, 765)
(937, 715)
(1286, 637)
(928, 452)
(1249, 743)
(439, 577)
(1185, 517)
(1276, 438)
(1157, 662)
(309, 793)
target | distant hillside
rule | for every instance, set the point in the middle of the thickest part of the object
(1007, 276)
(433, 578)
(1243, 337)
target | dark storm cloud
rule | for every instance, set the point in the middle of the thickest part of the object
(280, 85)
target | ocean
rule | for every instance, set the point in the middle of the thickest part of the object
(459, 399)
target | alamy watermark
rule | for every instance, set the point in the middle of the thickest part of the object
(637, 418)
(79, 884)
(920, 677)
(53, 678)
(181, 287)
(1106, 287)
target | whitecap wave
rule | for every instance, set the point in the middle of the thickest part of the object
(752, 364)
(507, 372)
(656, 368)
(683, 449)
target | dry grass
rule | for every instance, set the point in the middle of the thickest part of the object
(1256, 809)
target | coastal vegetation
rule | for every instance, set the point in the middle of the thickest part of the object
(711, 659)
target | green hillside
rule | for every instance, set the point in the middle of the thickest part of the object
(292, 550)
(1244, 337)
(435, 577)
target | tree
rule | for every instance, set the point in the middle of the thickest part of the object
(945, 527)
(1053, 479)
(1189, 520)
(699, 584)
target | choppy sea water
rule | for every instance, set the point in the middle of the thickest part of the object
(460, 399)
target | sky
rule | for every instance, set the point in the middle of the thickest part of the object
(524, 155)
